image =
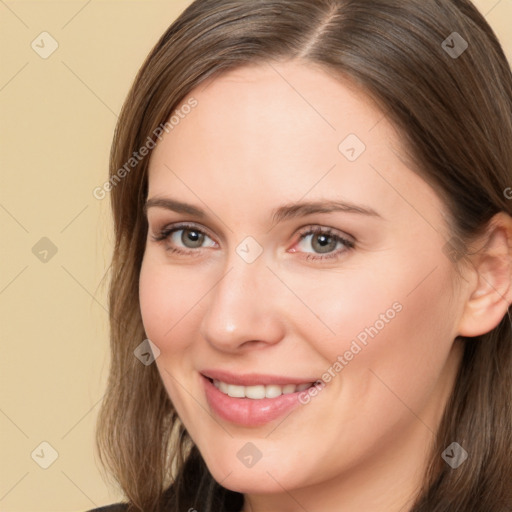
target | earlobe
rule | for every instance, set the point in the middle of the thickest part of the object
(491, 296)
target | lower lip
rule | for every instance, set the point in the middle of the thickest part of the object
(247, 411)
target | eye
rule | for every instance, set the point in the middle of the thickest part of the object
(184, 238)
(321, 243)
(190, 238)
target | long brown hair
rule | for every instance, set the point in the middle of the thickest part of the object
(454, 113)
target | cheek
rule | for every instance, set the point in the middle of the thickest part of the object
(390, 315)
(169, 297)
(173, 299)
(343, 305)
(170, 301)
(403, 333)
(400, 322)
(155, 301)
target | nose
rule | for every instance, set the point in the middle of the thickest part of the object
(243, 308)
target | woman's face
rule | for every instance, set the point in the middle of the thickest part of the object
(298, 247)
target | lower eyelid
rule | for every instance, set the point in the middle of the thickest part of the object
(329, 256)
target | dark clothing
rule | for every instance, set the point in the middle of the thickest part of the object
(117, 507)
(225, 501)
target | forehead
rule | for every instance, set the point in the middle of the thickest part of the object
(271, 116)
(283, 131)
(291, 98)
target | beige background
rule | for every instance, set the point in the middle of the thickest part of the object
(57, 119)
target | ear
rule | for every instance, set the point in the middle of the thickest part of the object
(491, 289)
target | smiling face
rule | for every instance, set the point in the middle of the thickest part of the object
(287, 243)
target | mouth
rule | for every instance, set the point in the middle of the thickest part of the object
(257, 402)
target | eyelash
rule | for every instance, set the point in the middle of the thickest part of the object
(165, 233)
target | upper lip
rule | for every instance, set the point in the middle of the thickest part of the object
(253, 379)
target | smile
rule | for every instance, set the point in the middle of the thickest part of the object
(251, 400)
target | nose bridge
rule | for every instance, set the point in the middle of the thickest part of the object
(241, 306)
(240, 279)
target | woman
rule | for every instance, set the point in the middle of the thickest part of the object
(313, 229)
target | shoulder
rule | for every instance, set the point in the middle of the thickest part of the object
(116, 507)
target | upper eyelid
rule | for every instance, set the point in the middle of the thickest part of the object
(313, 228)
(303, 230)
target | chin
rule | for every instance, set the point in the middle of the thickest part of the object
(260, 479)
(251, 483)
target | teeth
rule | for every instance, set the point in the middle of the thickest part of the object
(289, 388)
(236, 391)
(258, 392)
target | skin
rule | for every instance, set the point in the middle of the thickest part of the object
(265, 136)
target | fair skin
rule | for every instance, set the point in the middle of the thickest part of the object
(262, 137)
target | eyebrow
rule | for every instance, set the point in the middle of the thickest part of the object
(292, 210)
(173, 205)
(285, 212)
